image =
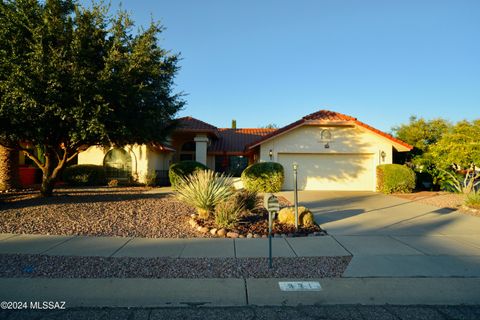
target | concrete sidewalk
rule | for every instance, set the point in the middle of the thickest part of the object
(179, 248)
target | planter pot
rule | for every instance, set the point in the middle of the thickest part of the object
(27, 176)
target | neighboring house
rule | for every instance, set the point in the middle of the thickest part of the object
(333, 151)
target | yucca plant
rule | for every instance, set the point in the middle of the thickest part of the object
(204, 189)
(227, 212)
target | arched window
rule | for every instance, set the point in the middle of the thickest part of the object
(118, 164)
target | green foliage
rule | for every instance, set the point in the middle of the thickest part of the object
(462, 183)
(421, 133)
(248, 198)
(393, 178)
(150, 178)
(180, 170)
(228, 212)
(305, 216)
(263, 177)
(84, 175)
(473, 200)
(460, 145)
(72, 77)
(204, 189)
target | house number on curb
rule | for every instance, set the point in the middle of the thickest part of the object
(299, 285)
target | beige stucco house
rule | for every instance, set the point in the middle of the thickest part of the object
(333, 151)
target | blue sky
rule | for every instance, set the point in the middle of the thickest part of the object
(262, 62)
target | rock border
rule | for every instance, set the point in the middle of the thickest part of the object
(225, 233)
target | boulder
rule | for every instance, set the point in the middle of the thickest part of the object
(305, 216)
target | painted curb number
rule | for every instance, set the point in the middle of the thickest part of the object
(299, 286)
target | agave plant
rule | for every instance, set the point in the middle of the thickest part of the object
(204, 189)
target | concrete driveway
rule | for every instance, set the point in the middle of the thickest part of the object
(393, 237)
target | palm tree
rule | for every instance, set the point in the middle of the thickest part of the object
(8, 168)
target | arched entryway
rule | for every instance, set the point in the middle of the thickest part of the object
(118, 164)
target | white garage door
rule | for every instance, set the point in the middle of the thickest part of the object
(352, 172)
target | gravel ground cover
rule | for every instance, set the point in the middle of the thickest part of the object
(448, 200)
(125, 212)
(26, 266)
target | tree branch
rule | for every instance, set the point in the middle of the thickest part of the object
(32, 156)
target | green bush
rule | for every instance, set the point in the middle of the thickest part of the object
(393, 178)
(263, 177)
(473, 200)
(204, 189)
(84, 175)
(247, 198)
(180, 170)
(227, 213)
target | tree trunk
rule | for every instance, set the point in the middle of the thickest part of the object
(9, 178)
(47, 186)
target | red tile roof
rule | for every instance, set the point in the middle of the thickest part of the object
(326, 116)
(190, 124)
(233, 141)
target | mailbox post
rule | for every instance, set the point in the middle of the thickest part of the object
(295, 193)
(270, 202)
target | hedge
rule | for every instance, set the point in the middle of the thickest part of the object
(263, 177)
(393, 178)
(84, 175)
(183, 169)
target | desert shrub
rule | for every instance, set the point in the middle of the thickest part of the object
(473, 200)
(84, 175)
(150, 178)
(204, 189)
(227, 212)
(247, 198)
(263, 177)
(113, 183)
(180, 170)
(393, 178)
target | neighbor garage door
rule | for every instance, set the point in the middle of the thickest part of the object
(353, 172)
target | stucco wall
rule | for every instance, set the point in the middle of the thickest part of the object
(345, 140)
(144, 159)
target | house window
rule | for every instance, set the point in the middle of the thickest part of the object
(188, 151)
(232, 165)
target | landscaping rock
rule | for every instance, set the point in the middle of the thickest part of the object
(194, 215)
(204, 230)
(193, 223)
(233, 235)
(305, 216)
(241, 236)
(213, 231)
(257, 236)
(249, 235)
(221, 232)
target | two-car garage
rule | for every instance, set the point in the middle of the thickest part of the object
(329, 171)
(333, 152)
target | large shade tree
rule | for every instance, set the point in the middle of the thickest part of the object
(71, 77)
